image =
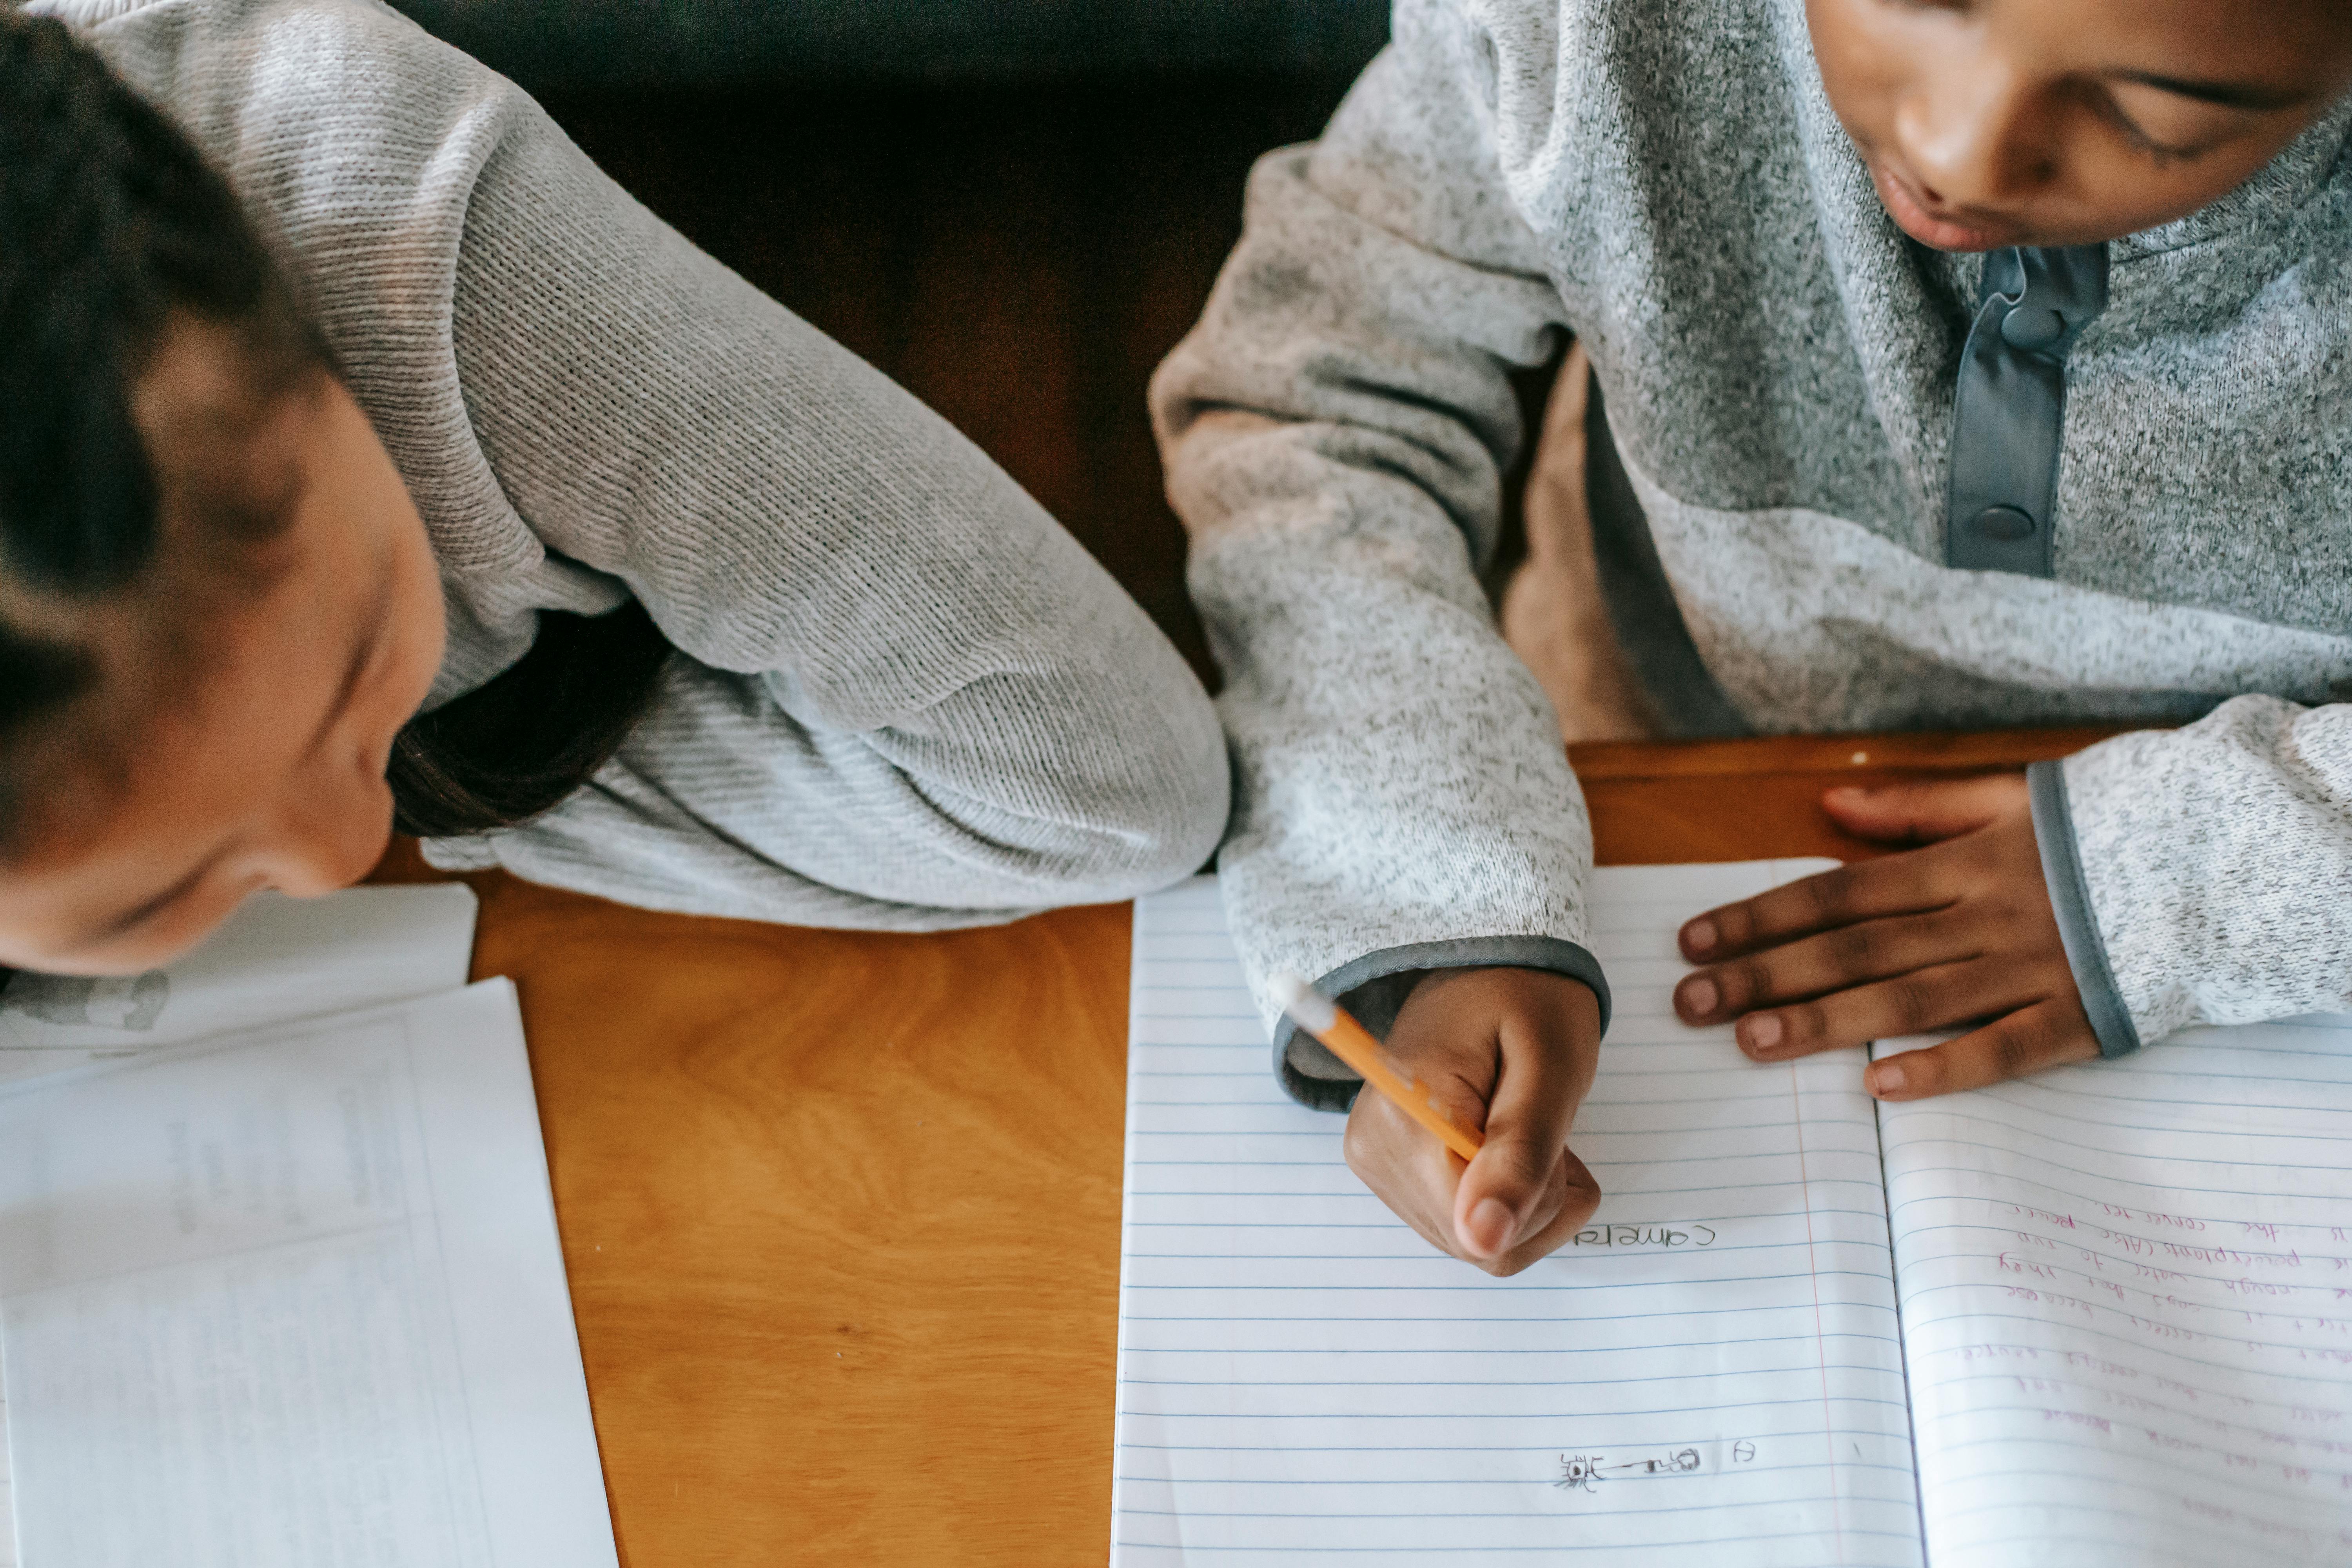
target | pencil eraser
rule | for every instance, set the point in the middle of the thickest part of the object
(1303, 1001)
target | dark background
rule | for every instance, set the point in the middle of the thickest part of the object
(553, 44)
(1013, 209)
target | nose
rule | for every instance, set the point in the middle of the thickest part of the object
(1973, 136)
(327, 840)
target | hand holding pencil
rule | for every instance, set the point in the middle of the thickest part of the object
(1465, 1131)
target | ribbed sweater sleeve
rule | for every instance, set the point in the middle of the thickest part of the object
(909, 698)
(1336, 430)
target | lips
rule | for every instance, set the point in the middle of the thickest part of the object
(1912, 217)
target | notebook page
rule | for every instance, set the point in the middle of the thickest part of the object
(2128, 1305)
(1711, 1373)
(277, 959)
(294, 1299)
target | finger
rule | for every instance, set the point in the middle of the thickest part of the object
(1509, 1193)
(1930, 998)
(1832, 961)
(1414, 1174)
(1923, 813)
(2027, 1041)
(1579, 1196)
(1868, 889)
(1560, 466)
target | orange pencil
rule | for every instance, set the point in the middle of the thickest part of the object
(1353, 1044)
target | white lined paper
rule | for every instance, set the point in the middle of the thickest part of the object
(294, 1297)
(276, 960)
(1714, 1368)
(2127, 1302)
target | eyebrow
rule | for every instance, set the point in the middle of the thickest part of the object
(2228, 94)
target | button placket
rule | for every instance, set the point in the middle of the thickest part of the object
(2009, 411)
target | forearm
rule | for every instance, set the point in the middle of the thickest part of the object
(1336, 432)
(722, 803)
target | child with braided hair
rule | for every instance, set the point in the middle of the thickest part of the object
(365, 452)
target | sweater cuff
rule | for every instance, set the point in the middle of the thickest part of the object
(2070, 898)
(1374, 987)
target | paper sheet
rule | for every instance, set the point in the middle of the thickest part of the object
(2127, 1302)
(276, 959)
(1711, 1374)
(296, 1300)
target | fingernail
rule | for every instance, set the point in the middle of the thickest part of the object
(1763, 1031)
(1700, 996)
(1491, 1225)
(1699, 936)
(1885, 1079)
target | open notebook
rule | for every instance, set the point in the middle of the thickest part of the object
(2100, 1317)
(291, 1294)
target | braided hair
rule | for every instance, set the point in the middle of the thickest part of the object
(110, 225)
(113, 224)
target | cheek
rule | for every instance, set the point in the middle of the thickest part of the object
(419, 644)
(1862, 63)
(2120, 191)
(423, 642)
(346, 840)
(169, 937)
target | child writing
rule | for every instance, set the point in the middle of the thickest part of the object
(363, 449)
(1975, 363)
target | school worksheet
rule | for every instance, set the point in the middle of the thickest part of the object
(274, 959)
(2088, 1318)
(293, 1294)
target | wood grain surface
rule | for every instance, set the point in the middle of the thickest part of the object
(841, 1210)
(1655, 804)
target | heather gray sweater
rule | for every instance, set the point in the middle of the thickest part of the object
(1664, 178)
(909, 700)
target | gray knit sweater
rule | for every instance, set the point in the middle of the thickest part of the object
(1664, 178)
(909, 700)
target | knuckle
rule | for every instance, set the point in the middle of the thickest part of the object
(2016, 1049)
(1960, 929)
(1520, 1163)
(1913, 1002)
(1828, 896)
(1807, 1024)
(1928, 1072)
(1857, 949)
(1582, 1209)
(1747, 981)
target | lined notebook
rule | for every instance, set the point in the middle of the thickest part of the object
(2095, 1317)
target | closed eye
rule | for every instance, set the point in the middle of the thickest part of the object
(2162, 153)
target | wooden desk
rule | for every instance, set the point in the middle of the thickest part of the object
(841, 1210)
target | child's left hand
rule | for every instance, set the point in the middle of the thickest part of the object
(1961, 929)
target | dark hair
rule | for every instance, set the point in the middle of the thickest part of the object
(112, 224)
(511, 750)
